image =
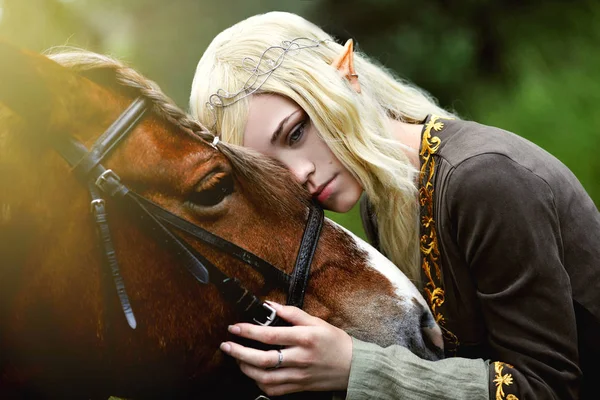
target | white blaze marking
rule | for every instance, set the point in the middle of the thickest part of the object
(404, 287)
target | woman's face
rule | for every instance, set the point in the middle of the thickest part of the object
(278, 127)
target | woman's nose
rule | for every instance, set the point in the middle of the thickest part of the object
(302, 170)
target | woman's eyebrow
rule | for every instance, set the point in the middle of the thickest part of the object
(280, 126)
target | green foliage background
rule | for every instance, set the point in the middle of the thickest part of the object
(526, 66)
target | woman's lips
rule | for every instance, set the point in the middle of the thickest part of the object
(325, 192)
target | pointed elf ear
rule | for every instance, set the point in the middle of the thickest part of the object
(344, 63)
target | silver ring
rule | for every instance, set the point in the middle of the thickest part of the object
(279, 362)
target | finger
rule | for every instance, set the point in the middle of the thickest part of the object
(294, 315)
(275, 335)
(282, 389)
(259, 358)
(275, 382)
(290, 357)
(270, 380)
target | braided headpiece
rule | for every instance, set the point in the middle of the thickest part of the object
(258, 73)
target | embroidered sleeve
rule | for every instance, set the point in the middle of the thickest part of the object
(503, 380)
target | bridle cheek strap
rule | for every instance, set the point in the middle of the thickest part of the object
(98, 209)
(308, 246)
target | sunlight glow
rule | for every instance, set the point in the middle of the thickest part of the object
(1, 10)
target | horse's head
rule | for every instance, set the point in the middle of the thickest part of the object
(59, 320)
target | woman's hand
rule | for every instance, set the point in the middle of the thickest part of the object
(316, 356)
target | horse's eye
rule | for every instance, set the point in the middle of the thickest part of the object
(214, 192)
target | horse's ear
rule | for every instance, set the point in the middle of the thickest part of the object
(25, 83)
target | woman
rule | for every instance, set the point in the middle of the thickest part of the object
(508, 254)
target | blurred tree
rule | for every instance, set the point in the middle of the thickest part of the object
(40, 24)
(168, 38)
(554, 91)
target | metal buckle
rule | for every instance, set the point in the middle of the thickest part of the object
(270, 318)
(96, 203)
(105, 176)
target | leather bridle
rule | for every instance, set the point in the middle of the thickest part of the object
(102, 182)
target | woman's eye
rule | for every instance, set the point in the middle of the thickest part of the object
(296, 133)
(215, 193)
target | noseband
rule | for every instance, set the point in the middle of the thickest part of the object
(102, 182)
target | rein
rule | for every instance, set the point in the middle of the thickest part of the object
(102, 182)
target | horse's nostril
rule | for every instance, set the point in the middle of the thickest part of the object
(426, 341)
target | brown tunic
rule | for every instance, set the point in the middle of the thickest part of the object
(518, 240)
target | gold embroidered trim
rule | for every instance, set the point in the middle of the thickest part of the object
(503, 380)
(428, 242)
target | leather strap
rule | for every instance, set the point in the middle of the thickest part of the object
(118, 130)
(194, 262)
(99, 212)
(268, 270)
(308, 245)
(87, 165)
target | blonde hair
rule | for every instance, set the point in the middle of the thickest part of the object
(355, 126)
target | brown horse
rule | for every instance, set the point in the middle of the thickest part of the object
(62, 334)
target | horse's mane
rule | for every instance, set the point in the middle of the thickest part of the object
(270, 181)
